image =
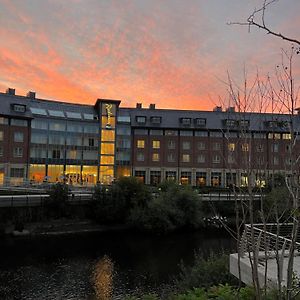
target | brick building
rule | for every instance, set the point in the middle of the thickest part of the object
(45, 140)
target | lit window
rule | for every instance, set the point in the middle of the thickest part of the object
(155, 157)
(286, 136)
(108, 148)
(18, 136)
(107, 135)
(186, 158)
(155, 144)
(107, 160)
(140, 144)
(18, 152)
(231, 147)
(245, 147)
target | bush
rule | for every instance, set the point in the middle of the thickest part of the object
(175, 207)
(56, 204)
(205, 273)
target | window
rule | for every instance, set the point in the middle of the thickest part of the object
(275, 160)
(201, 146)
(55, 139)
(186, 178)
(201, 158)
(275, 136)
(141, 132)
(186, 145)
(1, 151)
(259, 135)
(275, 147)
(230, 159)
(171, 132)
(200, 178)
(171, 144)
(107, 135)
(17, 172)
(216, 134)
(245, 147)
(230, 123)
(141, 175)
(140, 144)
(18, 136)
(56, 153)
(216, 146)
(123, 131)
(155, 177)
(140, 119)
(186, 121)
(57, 126)
(38, 152)
(156, 132)
(38, 111)
(73, 115)
(108, 148)
(91, 129)
(216, 159)
(216, 179)
(155, 120)
(155, 144)
(155, 157)
(201, 133)
(91, 142)
(18, 152)
(56, 113)
(3, 120)
(124, 143)
(260, 160)
(260, 148)
(170, 175)
(90, 155)
(186, 133)
(231, 147)
(19, 122)
(38, 138)
(39, 124)
(18, 108)
(244, 123)
(124, 119)
(200, 122)
(74, 140)
(71, 127)
(1, 136)
(171, 157)
(186, 158)
(286, 136)
(140, 156)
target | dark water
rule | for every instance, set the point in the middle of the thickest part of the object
(88, 265)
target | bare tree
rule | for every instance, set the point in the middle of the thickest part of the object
(258, 19)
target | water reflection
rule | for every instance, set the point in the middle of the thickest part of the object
(103, 278)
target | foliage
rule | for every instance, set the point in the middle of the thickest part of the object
(113, 204)
(205, 272)
(173, 208)
(56, 204)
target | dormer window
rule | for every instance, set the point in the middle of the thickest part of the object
(18, 108)
(244, 123)
(155, 120)
(140, 119)
(200, 122)
(230, 123)
(186, 121)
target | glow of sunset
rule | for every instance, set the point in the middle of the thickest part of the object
(173, 53)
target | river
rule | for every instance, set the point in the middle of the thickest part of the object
(82, 266)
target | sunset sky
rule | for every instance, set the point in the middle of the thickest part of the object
(174, 53)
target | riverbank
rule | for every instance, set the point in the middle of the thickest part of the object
(61, 227)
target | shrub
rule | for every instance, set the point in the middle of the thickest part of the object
(56, 204)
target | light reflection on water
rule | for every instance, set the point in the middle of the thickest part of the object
(96, 266)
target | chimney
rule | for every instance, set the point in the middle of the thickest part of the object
(152, 106)
(139, 105)
(30, 95)
(218, 108)
(10, 91)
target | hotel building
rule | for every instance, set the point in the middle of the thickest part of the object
(52, 141)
